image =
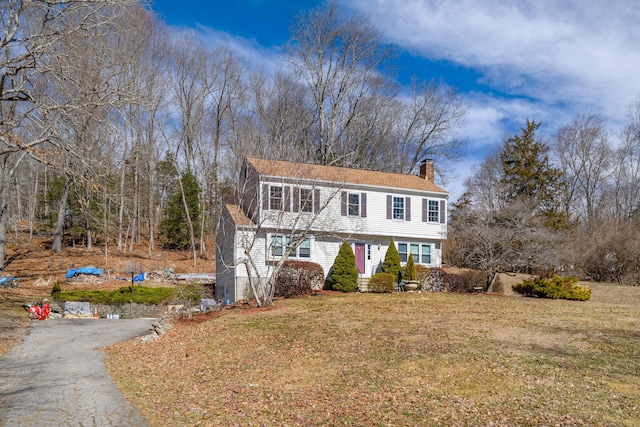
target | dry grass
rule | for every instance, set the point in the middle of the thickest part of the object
(396, 360)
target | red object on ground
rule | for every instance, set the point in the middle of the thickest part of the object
(39, 312)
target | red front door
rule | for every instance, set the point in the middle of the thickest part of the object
(360, 253)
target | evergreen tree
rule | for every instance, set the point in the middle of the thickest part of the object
(410, 269)
(175, 226)
(527, 172)
(344, 273)
(391, 263)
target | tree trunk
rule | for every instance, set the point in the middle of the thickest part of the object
(121, 209)
(62, 209)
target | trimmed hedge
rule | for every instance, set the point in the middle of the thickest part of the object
(141, 295)
(297, 278)
(554, 288)
(383, 283)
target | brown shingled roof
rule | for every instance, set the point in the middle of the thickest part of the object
(238, 217)
(342, 175)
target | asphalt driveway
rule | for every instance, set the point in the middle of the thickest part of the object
(56, 377)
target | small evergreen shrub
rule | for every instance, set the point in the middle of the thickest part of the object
(344, 273)
(391, 263)
(55, 291)
(382, 283)
(579, 293)
(409, 272)
(297, 278)
(554, 288)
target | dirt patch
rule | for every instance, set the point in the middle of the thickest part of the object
(37, 268)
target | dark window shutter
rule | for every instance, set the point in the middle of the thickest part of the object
(443, 214)
(389, 207)
(343, 208)
(407, 208)
(316, 200)
(265, 197)
(286, 202)
(296, 199)
(425, 210)
(363, 205)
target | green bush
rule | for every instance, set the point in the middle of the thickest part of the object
(55, 291)
(409, 272)
(142, 295)
(391, 263)
(579, 293)
(554, 288)
(382, 283)
(344, 273)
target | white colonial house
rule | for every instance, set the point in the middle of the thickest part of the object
(282, 205)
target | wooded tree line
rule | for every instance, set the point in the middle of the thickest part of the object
(569, 204)
(116, 130)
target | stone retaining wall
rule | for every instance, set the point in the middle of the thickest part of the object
(129, 310)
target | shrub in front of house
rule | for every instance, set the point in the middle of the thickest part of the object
(344, 273)
(391, 263)
(474, 279)
(141, 295)
(382, 283)
(554, 288)
(409, 271)
(464, 281)
(297, 278)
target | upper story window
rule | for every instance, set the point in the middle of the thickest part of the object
(398, 208)
(354, 204)
(275, 198)
(306, 200)
(434, 210)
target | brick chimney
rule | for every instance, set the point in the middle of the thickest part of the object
(427, 170)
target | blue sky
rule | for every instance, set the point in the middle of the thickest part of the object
(547, 60)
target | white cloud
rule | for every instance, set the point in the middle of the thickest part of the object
(581, 54)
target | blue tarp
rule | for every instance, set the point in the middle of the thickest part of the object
(84, 270)
(138, 278)
(5, 279)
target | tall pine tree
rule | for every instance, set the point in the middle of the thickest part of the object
(175, 226)
(528, 174)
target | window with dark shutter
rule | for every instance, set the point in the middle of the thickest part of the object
(343, 200)
(443, 214)
(389, 207)
(275, 198)
(306, 200)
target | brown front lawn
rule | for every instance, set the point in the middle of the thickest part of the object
(429, 359)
